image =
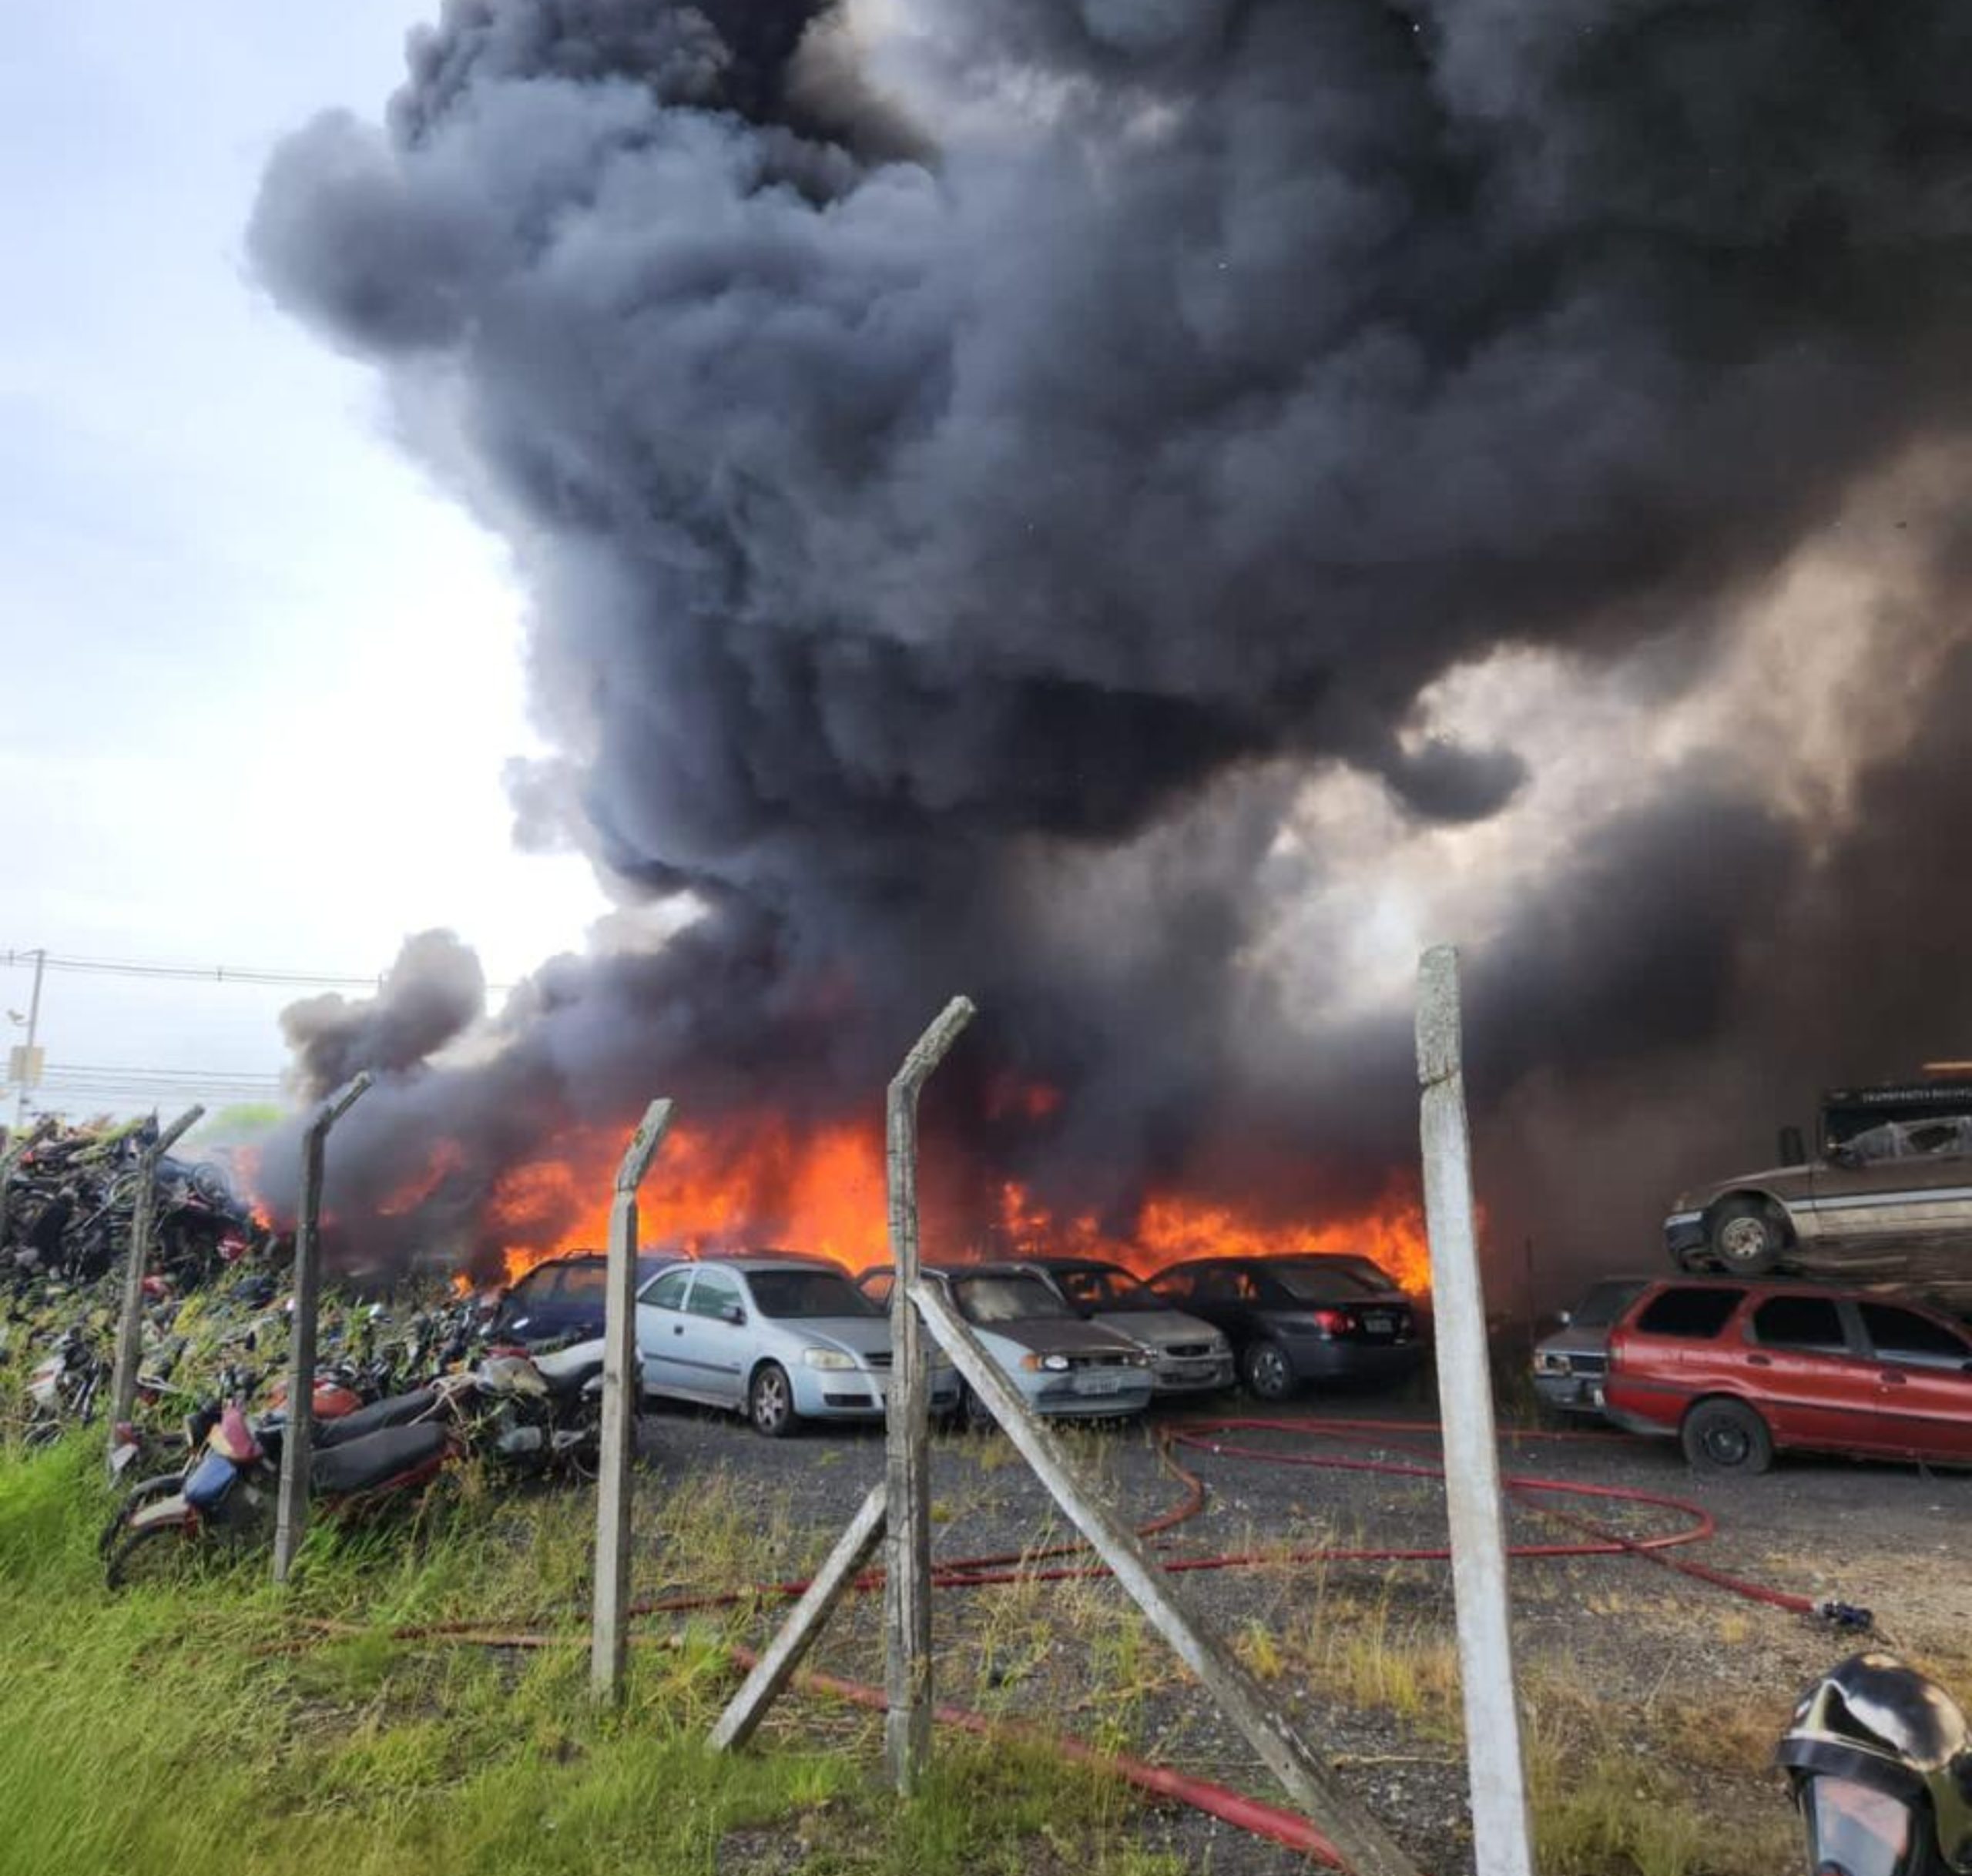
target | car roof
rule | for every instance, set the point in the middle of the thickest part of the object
(1045, 1262)
(1260, 1259)
(745, 1261)
(1800, 1286)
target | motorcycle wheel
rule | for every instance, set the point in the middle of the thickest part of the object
(151, 1555)
(141, 1494)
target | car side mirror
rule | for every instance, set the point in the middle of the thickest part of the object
(1565, 1317)
(733, 1314)
(1793, 1148)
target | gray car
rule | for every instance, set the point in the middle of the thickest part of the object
(1187, 1356)
(781, 1339)
(1065, 1368)
(1569, 1365)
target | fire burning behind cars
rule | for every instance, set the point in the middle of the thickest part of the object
(761, 1183)
(825, 1198)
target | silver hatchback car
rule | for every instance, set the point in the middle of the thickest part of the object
(781, 1339)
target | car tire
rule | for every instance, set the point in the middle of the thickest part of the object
(1726, 1437)
(770, 1402)
(1745, 1237)
(974, 1415)
(1266, 1371)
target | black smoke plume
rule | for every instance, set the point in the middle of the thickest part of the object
(969, 473)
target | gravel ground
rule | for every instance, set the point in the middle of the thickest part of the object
(1633, 1657)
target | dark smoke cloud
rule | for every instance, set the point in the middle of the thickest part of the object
(426, 1000)
(1027, 451)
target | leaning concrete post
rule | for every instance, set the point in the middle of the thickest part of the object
(291, 1507)
(143, 1221)
(1501, 1842)
(622, 1384)
(907, 1472)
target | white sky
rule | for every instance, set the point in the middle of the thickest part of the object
(257, 680)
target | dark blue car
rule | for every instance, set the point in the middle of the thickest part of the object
(564, 1299)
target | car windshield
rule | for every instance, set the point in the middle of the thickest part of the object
(1102, 1287)
(1319, 1283)
(1601, 1307)
(1006, 1299)
(785, 1294)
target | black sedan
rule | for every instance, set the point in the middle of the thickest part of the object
(1296, 1321)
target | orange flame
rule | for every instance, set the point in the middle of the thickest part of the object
(754, 1186)
(1170, 1226)
(760, 1183)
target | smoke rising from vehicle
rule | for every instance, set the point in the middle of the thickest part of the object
(977, 464)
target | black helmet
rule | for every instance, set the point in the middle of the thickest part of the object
(1880, 1760)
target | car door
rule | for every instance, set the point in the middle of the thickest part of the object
(1811, 1385)
(1923, 1383)
(1904, 1187)
(717, 1340)
(1220, 1294)
(661, 1325)
(527, 1311)
(581, 1300)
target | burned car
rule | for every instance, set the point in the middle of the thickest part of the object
(1889, 1200)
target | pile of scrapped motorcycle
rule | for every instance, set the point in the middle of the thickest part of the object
(70, 1193)
(406, 1386)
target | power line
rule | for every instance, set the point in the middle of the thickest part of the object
(205, 973)
(197, 973)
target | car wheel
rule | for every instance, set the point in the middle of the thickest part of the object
(1726, 1437)
(974, 1415)
(770, 1402)
(1745, 1237)
(1269, 1374)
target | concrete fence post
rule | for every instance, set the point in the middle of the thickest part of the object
(622, 1387)
(291, 1507)
(136, 1266)
(906, 1472)
(1502, 1841)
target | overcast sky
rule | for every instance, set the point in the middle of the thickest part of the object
(259, 680)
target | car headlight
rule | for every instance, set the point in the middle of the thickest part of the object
(1546, 1362)
(834, 1359)
(1054, 1364)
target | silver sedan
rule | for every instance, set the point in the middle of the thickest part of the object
(781, 1339)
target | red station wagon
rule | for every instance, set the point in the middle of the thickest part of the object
(1739, 1370)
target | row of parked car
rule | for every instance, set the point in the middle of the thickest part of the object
(1738, 1370)
(784, 1338)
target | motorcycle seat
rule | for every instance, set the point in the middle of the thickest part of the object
(364, 1465)
(398, 1410)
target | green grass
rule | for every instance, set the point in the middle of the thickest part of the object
(174, 1729)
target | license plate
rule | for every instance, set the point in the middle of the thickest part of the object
(1379, 1325)
(1100, 1383)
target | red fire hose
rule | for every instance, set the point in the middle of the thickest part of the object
(1246, 1813)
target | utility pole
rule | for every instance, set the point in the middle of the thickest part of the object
(29, 1078)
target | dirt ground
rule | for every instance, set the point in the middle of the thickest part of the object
(1653, 1698)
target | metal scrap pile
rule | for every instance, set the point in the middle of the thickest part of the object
(217, 1310)
(68, 1193)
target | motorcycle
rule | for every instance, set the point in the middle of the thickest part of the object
(226, 1497)
(526, 1418)
(542, 1413)
(63, 1388)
